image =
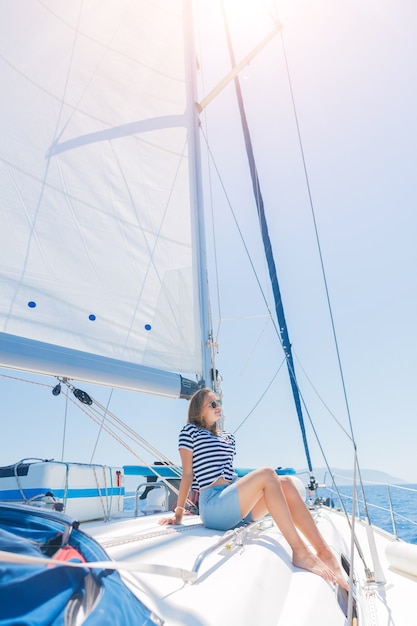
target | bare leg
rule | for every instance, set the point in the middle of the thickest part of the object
(261, 492)
(305, 523)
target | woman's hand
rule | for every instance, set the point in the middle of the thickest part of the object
(170, 521)
(178, 513)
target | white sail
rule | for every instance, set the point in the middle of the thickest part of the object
(96, 237)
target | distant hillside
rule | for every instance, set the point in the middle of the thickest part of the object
(345, 476)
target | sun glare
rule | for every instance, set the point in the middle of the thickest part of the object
(247, 16)
(242, 10)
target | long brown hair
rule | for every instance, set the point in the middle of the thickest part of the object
(195, 409)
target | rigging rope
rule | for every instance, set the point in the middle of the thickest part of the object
(110, 423)
(100, 429)
(313, 215)
(283, 329)
(64, 430)
(323, 271)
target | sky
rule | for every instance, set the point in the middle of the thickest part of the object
(352, 67)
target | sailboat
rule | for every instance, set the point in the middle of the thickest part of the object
(122, 175)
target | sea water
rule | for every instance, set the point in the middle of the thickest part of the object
(392, 508)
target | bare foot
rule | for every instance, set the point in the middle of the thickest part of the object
(327, 556)
(305, 559)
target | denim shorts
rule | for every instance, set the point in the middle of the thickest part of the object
(220, 509)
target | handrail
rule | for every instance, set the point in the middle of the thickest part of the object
(391, 511)
(153, 486)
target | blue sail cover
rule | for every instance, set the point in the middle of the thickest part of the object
(33, 595)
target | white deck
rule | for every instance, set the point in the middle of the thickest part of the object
(251, 584)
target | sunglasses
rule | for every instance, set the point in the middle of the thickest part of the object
(214, 404)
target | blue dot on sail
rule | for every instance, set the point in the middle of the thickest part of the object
(31, 304)
(148, 327)
(92, 317)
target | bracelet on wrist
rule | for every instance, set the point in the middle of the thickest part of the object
(180, 507)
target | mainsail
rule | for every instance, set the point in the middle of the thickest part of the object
(99, 280)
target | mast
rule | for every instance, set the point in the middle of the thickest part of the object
(196, 194)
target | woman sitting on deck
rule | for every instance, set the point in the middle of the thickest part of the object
(207, 461)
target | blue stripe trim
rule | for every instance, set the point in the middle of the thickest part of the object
(15, 494)
(175, 471)
(154, 470)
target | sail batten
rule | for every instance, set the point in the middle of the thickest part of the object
(133, 128)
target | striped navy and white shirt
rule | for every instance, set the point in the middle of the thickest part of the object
(212, 454)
